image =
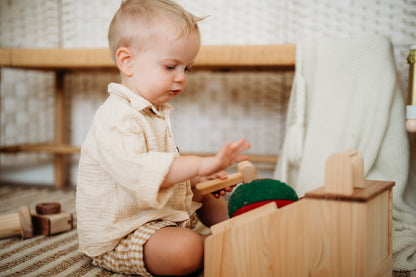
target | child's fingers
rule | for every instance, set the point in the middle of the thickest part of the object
(240, 158)
(222, 192)
(219, 175)
(229, 153)
(225, 150)
(240, 146)
(222, 175)
(229, 189)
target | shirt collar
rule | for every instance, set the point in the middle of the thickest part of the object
(138, 102)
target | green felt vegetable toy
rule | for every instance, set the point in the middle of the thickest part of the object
(260, 192)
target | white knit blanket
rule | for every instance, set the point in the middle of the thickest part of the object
(346, 95)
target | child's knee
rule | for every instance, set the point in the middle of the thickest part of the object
(181, 251)
(192, 251)
(188, 253)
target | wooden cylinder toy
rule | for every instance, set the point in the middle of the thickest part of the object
(16, 224)
(49, 219)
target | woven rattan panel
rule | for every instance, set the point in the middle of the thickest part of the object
(225, 106)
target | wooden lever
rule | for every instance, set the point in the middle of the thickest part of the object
(344, 171)
(246, 173)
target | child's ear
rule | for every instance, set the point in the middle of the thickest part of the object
(125, 60)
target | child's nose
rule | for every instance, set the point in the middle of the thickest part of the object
(180, 77)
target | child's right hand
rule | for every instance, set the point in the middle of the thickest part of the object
(188, 167)
(227, 156)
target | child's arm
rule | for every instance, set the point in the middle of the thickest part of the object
(187, 167)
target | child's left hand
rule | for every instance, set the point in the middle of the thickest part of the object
(222, 192)
(223, 176)
(219, 175)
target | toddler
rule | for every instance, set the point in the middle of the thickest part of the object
(136, 204)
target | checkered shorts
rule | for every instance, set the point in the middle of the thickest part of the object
(127, 257)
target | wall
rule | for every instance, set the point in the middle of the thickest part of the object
(226, 106)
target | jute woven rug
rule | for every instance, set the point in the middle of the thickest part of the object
(55, 255)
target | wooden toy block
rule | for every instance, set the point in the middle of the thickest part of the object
(49, 219)
(49, 224)
(17, 224)
(341, 233)
(246, 173)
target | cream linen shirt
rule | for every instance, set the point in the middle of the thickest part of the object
(124, 159)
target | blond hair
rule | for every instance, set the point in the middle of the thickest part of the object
(136, 20)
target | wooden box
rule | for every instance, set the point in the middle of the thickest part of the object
(322, 234)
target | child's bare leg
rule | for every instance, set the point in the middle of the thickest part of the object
(174, 251)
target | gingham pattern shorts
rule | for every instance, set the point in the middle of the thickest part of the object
(127, 257)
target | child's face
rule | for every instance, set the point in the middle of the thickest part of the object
(159, 72)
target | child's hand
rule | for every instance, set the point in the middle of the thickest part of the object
(194, 167)
(199, 179)
(228, 155)
(220, 175)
